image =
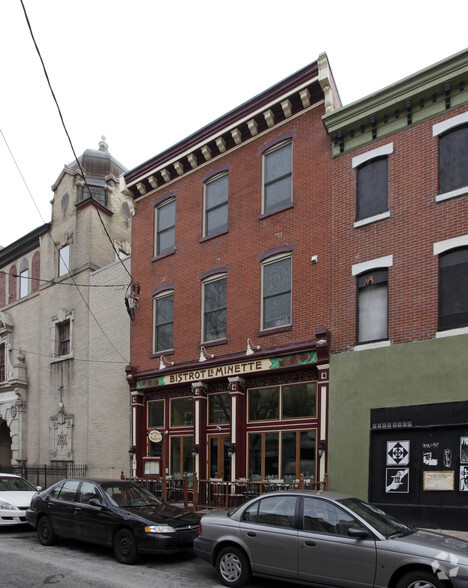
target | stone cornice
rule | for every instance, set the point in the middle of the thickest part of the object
(425, 94)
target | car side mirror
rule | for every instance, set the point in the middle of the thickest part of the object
(96, 502)
(358, 533)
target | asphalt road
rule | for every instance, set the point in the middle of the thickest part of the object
(24, 563)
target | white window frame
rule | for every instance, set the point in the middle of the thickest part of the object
(157, 298)
(210, 280)
(443, 247)
(269, 261)
(157, 209)
(279, 145)
(224, 203)
(24, 283)
(362, 268)
(439, 129)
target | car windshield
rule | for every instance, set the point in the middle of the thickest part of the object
(8, 484)
(126, 495)
(381, 521)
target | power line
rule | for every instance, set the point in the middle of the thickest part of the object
(55, 283)
(21, 350)
(66, 131)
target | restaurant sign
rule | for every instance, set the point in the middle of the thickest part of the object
(235, 369)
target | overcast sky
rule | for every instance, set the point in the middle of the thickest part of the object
(147, 73)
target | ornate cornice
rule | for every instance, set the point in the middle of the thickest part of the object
(287, 99)
(421, 96)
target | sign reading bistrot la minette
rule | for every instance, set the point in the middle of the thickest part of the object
(233, 369)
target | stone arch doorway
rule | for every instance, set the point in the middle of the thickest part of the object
(5, 443)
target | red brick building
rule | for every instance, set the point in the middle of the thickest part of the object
(232, 246)
(400, 296)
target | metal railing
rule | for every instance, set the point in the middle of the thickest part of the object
(215, 493)
(45, 475)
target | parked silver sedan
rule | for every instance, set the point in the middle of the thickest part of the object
(327, 539)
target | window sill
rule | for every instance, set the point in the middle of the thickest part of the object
(375, 345)
(452, 332)
(276, 210)
(274, 330)
(58, 358)
(163, 255)
(371, 219)
(452, 194)
(213, 235)
(215, 342)
(157, 354)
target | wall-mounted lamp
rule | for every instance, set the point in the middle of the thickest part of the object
(195, 450)
(163, 362)
(321, 447)
(204, 355)
(231, 450)
(251, 347)
(132, 449)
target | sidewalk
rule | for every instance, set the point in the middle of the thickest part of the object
(459, 534)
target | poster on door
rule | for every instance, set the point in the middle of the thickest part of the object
(398, 453)
(397, 481)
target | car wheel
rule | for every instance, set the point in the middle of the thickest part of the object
(125, 548)
(420, 579)
(233, 567)
(45, 532)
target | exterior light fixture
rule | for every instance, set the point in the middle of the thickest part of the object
(231, 450)
(163, 362)
(321, 447)
(195, 450)
(251, 347)
(204, 355)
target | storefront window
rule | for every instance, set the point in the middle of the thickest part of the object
(298, 400)
(182, 412)
(181, 456)
(295, 401)
(219, 406)
(295, 450)
(264, 404)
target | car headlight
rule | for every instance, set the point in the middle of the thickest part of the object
(160, 529)
(7, 506)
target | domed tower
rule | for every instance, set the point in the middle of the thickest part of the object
(91, 218)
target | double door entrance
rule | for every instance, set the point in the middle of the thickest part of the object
(219, 462)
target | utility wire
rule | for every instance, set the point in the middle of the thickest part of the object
(66, 130)
(59, 283)
(22, 350)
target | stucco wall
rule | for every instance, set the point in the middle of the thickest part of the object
(414, 373)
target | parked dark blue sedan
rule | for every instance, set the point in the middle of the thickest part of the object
(117, 513)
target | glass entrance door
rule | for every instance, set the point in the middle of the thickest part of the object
(219, 461)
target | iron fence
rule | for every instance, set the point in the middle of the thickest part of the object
(45, 475)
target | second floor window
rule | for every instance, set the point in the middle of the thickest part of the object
(453, 289)
(24, 278)
(276, 286)
(163, 322)
(372, 306)
(216, 205)
(165, 228)
(214, 309)
(277, 177)
(63, 338)
(372, 188)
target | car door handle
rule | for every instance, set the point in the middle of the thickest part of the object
(251, 534)
(310, 543)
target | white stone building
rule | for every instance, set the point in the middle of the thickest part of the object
(64, 327)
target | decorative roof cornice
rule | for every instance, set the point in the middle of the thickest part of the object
(23, 245)
(272, 107)
(421, 96)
